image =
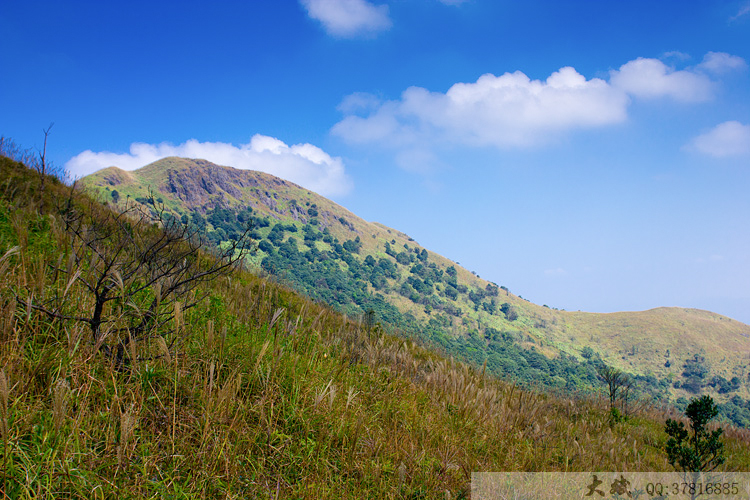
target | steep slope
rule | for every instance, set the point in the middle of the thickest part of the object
(263, 394)
(331, 254)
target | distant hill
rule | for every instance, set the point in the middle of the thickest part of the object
(329, 253)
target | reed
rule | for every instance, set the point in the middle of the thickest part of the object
(59, 402)
(265, 394)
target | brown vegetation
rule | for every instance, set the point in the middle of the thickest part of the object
(269, 396)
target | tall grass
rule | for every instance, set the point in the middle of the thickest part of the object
(268, 395)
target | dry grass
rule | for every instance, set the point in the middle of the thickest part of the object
(269, 395)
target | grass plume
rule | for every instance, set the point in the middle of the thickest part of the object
(266, 394)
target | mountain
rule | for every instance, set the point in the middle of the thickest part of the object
(327, 252)
(255, 391)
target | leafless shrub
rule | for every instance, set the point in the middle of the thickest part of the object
(136, 272)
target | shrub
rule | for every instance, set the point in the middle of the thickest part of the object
(696, 450)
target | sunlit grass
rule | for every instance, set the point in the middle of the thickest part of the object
(269, 396)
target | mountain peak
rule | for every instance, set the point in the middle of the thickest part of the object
(303, 234)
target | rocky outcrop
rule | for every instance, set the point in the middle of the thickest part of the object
(208, 185)
(297, 213)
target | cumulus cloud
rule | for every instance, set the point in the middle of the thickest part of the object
(304, 164)
(721, 62)
(501, 111)
(512, 110)
(349, 18)
(730, 138)
(651, 78)
(359, 102)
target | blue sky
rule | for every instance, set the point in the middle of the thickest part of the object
(588, 155)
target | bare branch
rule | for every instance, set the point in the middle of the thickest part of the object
(135, 266)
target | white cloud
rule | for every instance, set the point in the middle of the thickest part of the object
(651, 78)
(359, 102)
(676, 55)
(730, 138)
(512, 110)
(349, 18)
(502, 111)
(304, 164)
(721, 62)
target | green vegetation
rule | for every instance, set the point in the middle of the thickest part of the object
(355, 285)
(618, 388)
(335, 274)
(266, 394)
(697, 450)
(327, 253)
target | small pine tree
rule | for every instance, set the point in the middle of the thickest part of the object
(695, 450)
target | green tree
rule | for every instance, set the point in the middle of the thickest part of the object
(697, 449)
(510, 312)
(403, 258)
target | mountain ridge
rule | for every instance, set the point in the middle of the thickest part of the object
(658, 342)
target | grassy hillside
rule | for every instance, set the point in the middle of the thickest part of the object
(256, 392)
(682, 332)
(675, 353)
